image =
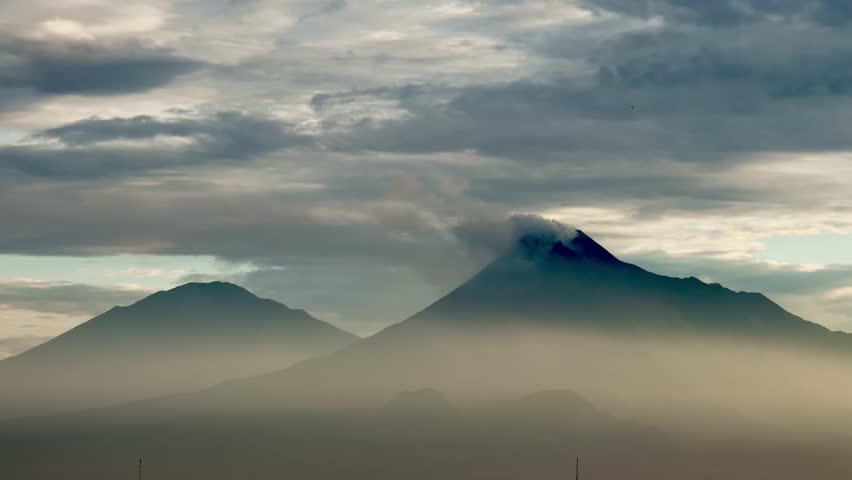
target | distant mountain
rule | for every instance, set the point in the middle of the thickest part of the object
(174, 341)
(566, 411)
(544, 282)
(555, 406)
(424, 402)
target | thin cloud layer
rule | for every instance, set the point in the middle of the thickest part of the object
(96, 147)
(64, 298)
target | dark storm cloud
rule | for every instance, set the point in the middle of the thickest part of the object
(84, 67)
(85, 150)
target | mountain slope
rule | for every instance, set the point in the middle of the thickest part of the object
(179, 340)
(518, 326)
(576, 281)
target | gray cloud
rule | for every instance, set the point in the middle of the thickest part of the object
(682, 90)
(725, 13)
(85, 151)
(760, 62)
(58, 66)
(488, 238)
(677, 94)
(226, 134)
(267, 227)
(327, 7)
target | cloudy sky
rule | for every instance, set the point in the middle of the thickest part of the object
(331, 154)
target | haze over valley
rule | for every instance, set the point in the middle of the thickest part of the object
(556, 348)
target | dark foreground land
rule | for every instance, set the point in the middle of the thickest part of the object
(387, 445)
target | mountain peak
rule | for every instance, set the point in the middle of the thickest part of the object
(549, 246)
(213, 290)
(208, 285)
(216, 287)
(192, 336)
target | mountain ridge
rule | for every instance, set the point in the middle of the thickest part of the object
(545, 282)
(182, 339)
(548, 278)
(543, 289)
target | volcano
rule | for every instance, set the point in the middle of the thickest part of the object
(545, 279)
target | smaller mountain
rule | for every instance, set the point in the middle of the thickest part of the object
(425, 402)
(555, 408)
(179, 340)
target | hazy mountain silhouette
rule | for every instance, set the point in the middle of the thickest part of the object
(555, 406)
(424, 402)
(563, 410)
(173, 341)
(544, 281)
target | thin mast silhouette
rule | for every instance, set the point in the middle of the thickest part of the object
(576, 470)
(140, 469)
